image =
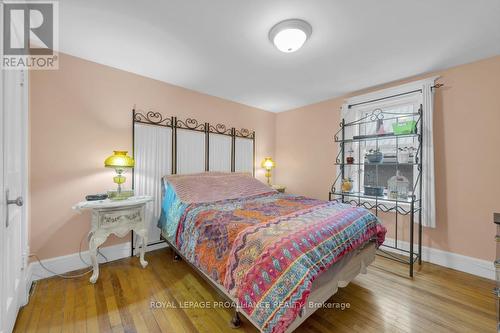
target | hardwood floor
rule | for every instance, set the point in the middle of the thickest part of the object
(385, 299)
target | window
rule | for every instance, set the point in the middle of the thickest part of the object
(380, 177)
(404, 101)
(374, 119)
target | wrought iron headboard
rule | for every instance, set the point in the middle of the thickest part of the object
(157, 119)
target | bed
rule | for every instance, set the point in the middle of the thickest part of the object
(276, 256)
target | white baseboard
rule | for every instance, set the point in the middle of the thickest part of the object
(456, 261)
(156, 246)
(72, 262)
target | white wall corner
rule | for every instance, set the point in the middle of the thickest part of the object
(475, 266)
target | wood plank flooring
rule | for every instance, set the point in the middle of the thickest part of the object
(384, 300)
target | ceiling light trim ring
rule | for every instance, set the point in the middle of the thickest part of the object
(290, 24)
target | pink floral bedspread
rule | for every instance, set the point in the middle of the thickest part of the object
(267, 249)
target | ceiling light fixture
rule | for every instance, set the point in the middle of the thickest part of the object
(289, 35)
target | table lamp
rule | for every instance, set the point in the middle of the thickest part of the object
(119, 161)
(268, 164)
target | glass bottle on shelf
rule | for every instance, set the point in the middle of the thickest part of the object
(406, 155)
(397, 187)
(350, 158)
(403, 155)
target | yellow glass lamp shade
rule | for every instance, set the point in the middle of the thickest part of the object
(119, 161)
(268, 164)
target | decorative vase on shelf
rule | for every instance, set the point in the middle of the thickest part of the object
(374, 156)
(347, 185)
(380, 127)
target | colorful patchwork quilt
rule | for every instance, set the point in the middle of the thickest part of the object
(267, 249)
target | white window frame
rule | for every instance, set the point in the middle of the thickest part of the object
(422, 95)
(388, 144)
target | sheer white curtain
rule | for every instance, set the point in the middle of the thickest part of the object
(152, 154)
(428, 185)
(243, 155)
(425, 97)
(190, 151)
(220, 153)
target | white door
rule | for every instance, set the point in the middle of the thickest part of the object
(13, 188)
(13, 248)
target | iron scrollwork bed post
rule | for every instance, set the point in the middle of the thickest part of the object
(236, 320)
(253, 134)
(207, 146)
(233, 149)
(174, 145)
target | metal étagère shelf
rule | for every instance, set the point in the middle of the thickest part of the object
(407, 212)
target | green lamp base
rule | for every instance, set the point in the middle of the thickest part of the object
(122, 195)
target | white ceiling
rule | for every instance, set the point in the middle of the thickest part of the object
(220, 47)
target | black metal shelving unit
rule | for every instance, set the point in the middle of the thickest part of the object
(410, 207)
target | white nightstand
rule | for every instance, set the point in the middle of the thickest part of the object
(116, 217)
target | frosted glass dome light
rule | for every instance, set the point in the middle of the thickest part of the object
(288, 36)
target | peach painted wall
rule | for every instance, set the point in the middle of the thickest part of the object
(78, 115)
(81, 112)
(467, 158)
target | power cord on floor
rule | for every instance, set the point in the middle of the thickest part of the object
(65, 276)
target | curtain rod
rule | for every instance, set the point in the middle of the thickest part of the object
(436, 86)
(384, 98)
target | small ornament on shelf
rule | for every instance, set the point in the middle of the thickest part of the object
(380, 127)
(347, 185)
(374, 156)
(406, 155)
(350, 158)
(397, 187)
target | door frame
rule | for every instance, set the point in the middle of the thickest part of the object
(26, 276)
(3, 207)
